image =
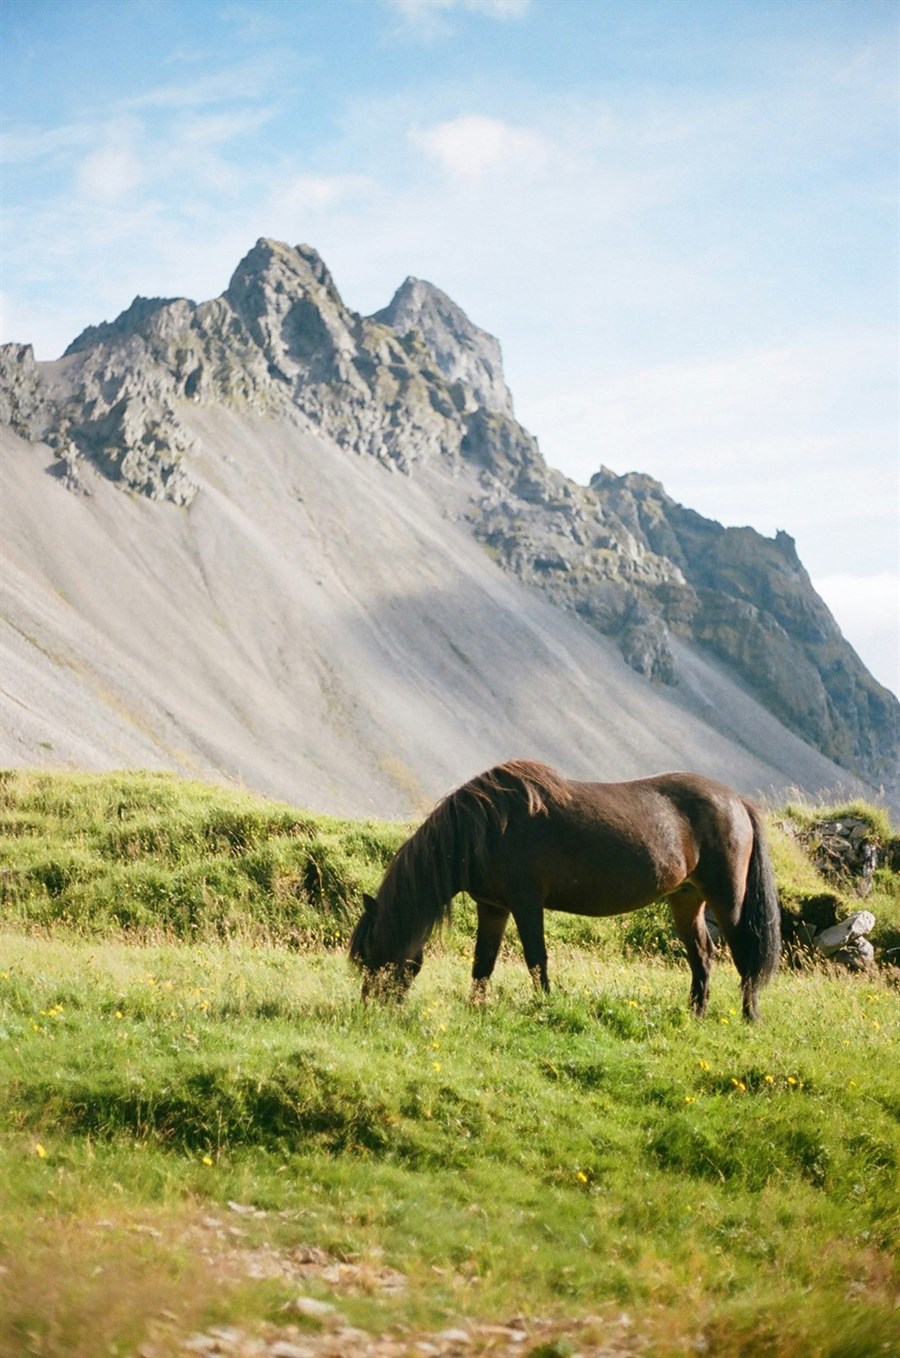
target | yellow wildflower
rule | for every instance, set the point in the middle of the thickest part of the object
(39, 1150)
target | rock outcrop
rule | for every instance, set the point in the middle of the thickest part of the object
(418, 383)
(107, 406)
(757, 611)
(24, 399)
(463, 353)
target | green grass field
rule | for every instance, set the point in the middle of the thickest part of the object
(180, 1031)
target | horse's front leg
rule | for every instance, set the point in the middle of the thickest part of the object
(491, 925)
(528, 912)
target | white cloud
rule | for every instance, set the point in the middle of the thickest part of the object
(251, 23)
(472, 144)
(499, 9)
(317, 193)
(867, 609)
(109, 174)
(219, 129)
(24, 144)
(240, 82)
(424, 13)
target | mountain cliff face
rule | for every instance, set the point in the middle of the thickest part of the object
(644, 569)
(419, 389)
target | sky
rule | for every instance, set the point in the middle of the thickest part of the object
(679, 218)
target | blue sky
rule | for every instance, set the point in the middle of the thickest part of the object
(680, 218)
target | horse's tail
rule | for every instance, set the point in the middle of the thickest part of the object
(757, 942)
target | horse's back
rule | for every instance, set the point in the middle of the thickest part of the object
(685, 790)
(707, 809)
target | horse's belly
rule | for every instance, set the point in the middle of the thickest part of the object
(608, 893)
(614, 876)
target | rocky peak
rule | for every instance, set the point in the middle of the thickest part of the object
(273, 268)
(288, 301)
(370, 389)
(461, 350)
(129, 322)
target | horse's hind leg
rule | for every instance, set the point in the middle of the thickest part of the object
(491, 925)
(690, 925)
(749, 984)
(725, 896)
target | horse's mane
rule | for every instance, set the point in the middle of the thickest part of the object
(452, 847)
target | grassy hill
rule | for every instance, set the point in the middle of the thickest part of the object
(202, 1124)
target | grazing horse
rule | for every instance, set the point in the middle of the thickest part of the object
(520, 839)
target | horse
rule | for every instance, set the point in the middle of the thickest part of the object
(520, 838)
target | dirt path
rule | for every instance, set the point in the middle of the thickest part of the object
(313, 1328)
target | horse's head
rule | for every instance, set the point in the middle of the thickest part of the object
(384, 975)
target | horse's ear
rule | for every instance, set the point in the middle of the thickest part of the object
(370, 905)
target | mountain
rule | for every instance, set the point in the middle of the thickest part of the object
(265, 538)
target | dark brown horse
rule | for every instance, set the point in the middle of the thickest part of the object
(521, 838)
